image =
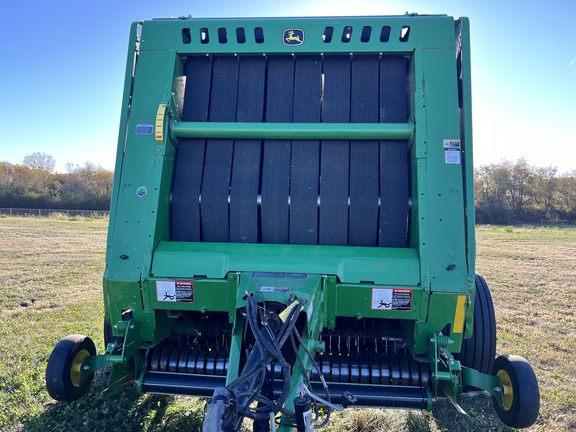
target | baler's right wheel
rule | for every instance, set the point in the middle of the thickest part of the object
(479, 351)
(64, 369)
(108, 335)
(520, 391)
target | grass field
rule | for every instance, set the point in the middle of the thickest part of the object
(50, 286)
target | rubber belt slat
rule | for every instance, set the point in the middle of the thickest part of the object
(364, 182)
(246, 163)
(276, 161)
(219, 153)
(190, 153)
(394, 162)
(305, 154)
(335, 155)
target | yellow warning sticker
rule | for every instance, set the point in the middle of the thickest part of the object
(460, 314)
(160, 123)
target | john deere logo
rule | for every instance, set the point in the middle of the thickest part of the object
(293, 36)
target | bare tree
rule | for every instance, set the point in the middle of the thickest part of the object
(40, 161)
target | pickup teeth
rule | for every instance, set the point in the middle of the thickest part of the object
(387, 363)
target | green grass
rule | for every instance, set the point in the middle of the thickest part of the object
(50, 287)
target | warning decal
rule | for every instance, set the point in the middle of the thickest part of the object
(392, 299)
(175, 291)
(452, 151)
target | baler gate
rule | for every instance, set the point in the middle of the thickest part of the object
(292, 224)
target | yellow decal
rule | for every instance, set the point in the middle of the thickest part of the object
(160, 123)
(460, 314)
(293, 36)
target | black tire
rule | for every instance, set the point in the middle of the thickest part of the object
(108, 335)
(63, 369)
(521, 393)
(479, 351)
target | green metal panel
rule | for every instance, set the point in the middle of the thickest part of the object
(442, 312)
(202, 35)
(445, 220)
(357, 301)
(350, 264)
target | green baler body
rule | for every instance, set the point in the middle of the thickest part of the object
(430, 278)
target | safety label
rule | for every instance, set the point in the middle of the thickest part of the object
(394, 299)
(275, 289)
(451, 144)
(175, 291)
(452, 157)
(452, 153)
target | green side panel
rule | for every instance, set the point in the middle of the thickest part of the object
(207, 295)
(463, 31)
(350, 264)
(442, 312)
(144, 182)
(119, 296)
(362, 301)
(445, 219)
(270, 35)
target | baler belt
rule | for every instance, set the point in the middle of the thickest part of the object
(307, 192)
(190, 159)
(246, 164)
(363, 224)
(335, 160)
(394, 182)
(277, 153)
(305, 154)
(219, 152)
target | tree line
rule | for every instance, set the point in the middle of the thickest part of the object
(515, 193)
(506, 193)
(35, 184)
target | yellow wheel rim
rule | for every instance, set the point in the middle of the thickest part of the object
(507, 389)
(76, 369)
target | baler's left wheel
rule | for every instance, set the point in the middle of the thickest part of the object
(520, 391)
(64, 369)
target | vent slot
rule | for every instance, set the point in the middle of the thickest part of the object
(385, 34)
(404, 33)
(347, 34)
(222, 35)
(240, 35)
(328, 33)
(366, 33)
(186, 36)
(204, 36)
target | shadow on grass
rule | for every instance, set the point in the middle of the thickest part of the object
(125, 411)
(131, 411)
(481, 415)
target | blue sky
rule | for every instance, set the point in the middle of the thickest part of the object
(62, 66)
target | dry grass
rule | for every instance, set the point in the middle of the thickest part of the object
(50, 286)
(531, 272)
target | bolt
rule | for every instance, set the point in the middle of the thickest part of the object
(86, 368)
(498, 389)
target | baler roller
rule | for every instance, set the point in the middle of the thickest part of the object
(395, 368)
(409, 397)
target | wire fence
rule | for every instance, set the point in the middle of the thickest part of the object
(23, 212)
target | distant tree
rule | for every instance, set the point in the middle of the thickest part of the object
(40, 161)
(508, 193)
(86, 187)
